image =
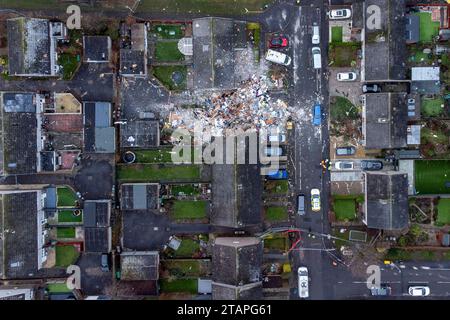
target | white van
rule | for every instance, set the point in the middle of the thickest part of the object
(317, 58)
(316, 35)
(278, 57)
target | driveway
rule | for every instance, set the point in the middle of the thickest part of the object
(348, 89)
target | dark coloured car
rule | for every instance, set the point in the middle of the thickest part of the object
(371, 88)
(278, 42)
(345, 151)
(371, 165)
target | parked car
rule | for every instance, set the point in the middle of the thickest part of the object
(317, 57)
(315, 199)
(383, 290)
(371, 165)
(316, 34)
(371, 88)
(280, 138)
(273, 151)
(105, 262)
(278, 57)
(317, 116)
(345, 151)
(278, 42)
(344, 165)
(340, 14)
(277, 175)
(301, 204)
(419, 291)
(346, 76)
(303, 282)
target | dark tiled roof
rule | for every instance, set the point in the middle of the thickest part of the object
(385, 49)
(140, 134)
(385, 121)
(18, 224)
(97, 48)
(139, 265)
(412, 28)
(99, 136)
(139, 196)
(237, 261)
(96, 213)
(387, 200)
(97, 239)
(28, 46)
(19, 134)
(132, 62)
(248, 292)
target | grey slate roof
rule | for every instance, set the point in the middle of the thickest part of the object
(139, 265)
(29, 47)
(384, 50)
(96, 213)
(139, 134)
(385, 120)
(97, 239)
(133, 62)
(237, 261)
(99, 136)
(251, 291)
(96, 47)
(386, 197)
(18, 225)
(18, 143)
(214, 41)
(139, 196)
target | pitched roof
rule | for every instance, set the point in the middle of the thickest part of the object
(139, 134)
(96, 213)
(18, 141)
(386, 200)
(251, 291)
(133, 62)
(237, 261)
(384, 49)
(139, 265)
(99, 136)
(139, 196)
(97, 239)
(385, 120)
(96, 48)
(19, 227)
(29, 47)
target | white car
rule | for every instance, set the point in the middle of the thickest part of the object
(316, 35)
(346, 76)
(315, 199)
(419, 291)
(340, 14)
(344, 165)
(303, 282)
(280, 138)
(273, 151)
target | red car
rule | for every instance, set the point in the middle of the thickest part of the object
(278, 42)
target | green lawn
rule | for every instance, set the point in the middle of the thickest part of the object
(184, 189)
(182, 268)
(343, 54)
(436, 139)
(167, 51)
(274, 214)
(187, 249)
(58, 288)
(168, 31)
(277, 187)
(152, 172)
(431, 176)
(419, 57)
(336, 34)
(278, 243)
(432, 107)
(66, 197)
(66, 255)
(359, 198)
(396, 254)
(179, 285)
(443, 210)
(154, 156)
(428, 28)
(342, 109)
(189, 209)
(68, 216)
(164, 74)
(345, 210)
(69, 64)
(65, 232)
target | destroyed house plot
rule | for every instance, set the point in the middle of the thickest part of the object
(20, 136)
